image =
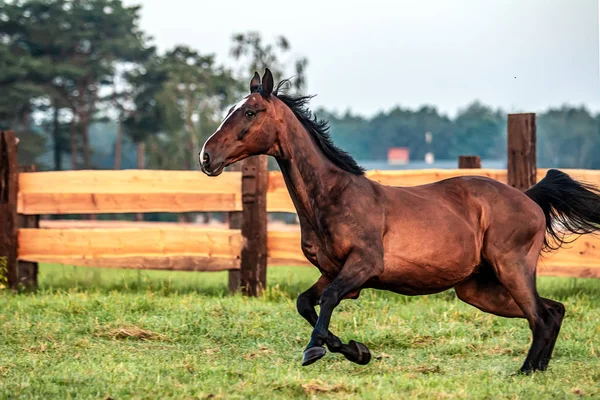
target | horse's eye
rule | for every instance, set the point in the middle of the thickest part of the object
(250, 114)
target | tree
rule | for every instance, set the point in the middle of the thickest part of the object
(18, 101)
(78, 44)
(147, 117)
(107, 34)
(479, 130)
(568, 137)
(32, 30)
(190, 101)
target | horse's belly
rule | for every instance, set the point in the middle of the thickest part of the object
(412, 279)
(429, 265)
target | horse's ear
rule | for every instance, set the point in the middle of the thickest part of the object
(255, 83)
(267, 82)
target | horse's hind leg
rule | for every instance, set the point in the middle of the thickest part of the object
(516, 297)
(353, 351)
(557, 312)
(515, 270)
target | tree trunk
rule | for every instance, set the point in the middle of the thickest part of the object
(84, 124)
(73, 137)
(141, 151)
(57, 141)
(118, 145)
(85, 142)
(187, 162)
(26, 120)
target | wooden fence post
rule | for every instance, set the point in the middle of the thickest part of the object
(469, 162)
(235, 222)
(8, 209)
(521, 151)
(253, 272)
(27, 271)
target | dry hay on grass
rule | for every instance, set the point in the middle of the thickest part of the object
(317, 386)
(131, 333)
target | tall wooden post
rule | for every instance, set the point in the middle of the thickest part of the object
(521, 151)
(469, 162)
(8, 209)
(253, 273)
(27, 271)
(235, 222)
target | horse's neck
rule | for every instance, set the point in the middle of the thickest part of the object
(309, 175)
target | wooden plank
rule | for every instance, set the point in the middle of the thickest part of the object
(583, 252)
(254, 225)
(284, 248)
(108, 203)
(278, 197)
(27, 271)
(8, 209)
(465, 162)
(109, 224)
(198, 249)
(187, 191)
(568, 271)
(80, 192)
(95, 244)
(285, 262)
(170, 263)
(521, 151)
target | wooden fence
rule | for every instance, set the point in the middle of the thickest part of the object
(244, 249)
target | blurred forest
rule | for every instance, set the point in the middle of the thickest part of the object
(84, 87)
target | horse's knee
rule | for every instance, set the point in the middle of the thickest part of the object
(555, 309)
(304, 304)
(330, 299)
(559, 309)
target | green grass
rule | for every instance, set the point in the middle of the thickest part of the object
(94, 333)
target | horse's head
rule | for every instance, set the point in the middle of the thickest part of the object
(250, 128)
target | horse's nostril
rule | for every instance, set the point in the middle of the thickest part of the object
(205, 158)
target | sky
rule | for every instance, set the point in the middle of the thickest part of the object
(369, 56)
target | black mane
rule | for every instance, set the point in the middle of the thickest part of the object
(319, 130)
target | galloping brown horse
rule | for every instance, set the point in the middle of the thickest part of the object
(474, 234)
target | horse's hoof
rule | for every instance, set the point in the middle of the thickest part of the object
(363, 354)
(523, 372)
(312, 354)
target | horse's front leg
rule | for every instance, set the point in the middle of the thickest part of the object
(359, 268)
(353, 351)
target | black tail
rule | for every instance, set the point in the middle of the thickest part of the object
(573, 206)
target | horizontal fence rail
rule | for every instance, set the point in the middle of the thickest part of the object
(127, 191)
(172, 248)
(130, 191)
(179, 248)
(204, 249)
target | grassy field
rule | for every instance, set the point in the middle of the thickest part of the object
(99, 334)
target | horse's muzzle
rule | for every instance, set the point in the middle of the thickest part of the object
(209, 168)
